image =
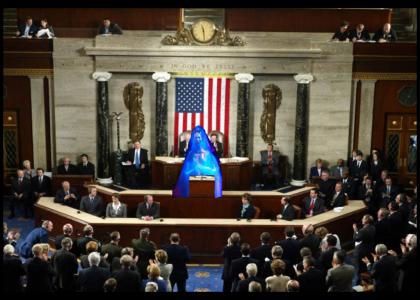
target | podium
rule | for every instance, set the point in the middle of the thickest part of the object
(201, 186)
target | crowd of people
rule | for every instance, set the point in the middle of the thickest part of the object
(361, 34)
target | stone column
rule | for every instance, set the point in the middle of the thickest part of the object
(367, 99)
(161, 115)
(301, 129)
(242, 133)
(102, 125)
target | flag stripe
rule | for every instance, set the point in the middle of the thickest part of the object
(210, 111)
(226, 114)
(214, 105)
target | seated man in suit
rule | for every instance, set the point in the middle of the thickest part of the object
(270, 164)
(67, 195)
(317, 170)
(247, 210)
(85, 166)
(109, 28)
(183, 146)
(27, 30)
(339, 169)
(41, 184)
(139, 166)
(21, 191)
(148, 210)
(385, 34)
(313, 205)
(359, 34)
(387, 192)
(326, 186)
(288, 212)
(67, 168)
(92, 203)
(339, 197)
(218, 146)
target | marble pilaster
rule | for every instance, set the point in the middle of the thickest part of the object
(367, 99)
(242, 136)
(161, 115)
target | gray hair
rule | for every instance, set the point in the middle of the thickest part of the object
(67, 243)
(8, 249)
(126, 260)
(254, 287)
(151, 287)
(412, 241)
(251, 269)
(381, 249)
(277, 251)
(94, 258)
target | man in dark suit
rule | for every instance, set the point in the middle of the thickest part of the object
(326, 187)
(27, 30)
(262, 252)
(385, 34)
(230, 252)
(317, 170)
(337, 171)
(178, 256)
(313, 205)
(145, 250)
(366, 192)
(276, 253)
(382, 228)
(85, 166)
(109, 28)
(396, 227)
(359, 34)
(127, 279)
(112, 248)
(407, 264)
(37, 235)
(41, 184)
(148, 210)
(340, 276)
(92, 279)
(67, 195)
(287, 212)
(387, 192)
(92, 203)
(218, 146)
(86, 238)
(326, 256)
(311, 280)
(67, 168)
(364, 239)
(247, 210)
(12, 270)
(39, 272)
(65, 265)
(183, 145)
(310, 239)
(338, 198)
(239, 265)
(348, 185)
(290, 245)
(270, 164)
(358, 168)
(21, 191)
(138, 166)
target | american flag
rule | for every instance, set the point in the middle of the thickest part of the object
(204, 102)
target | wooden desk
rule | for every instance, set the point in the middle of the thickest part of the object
(204, 237)
(236, 175)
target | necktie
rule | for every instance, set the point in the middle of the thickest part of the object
(67, 168)
(358, 164)
(27, 30)
(137, 159)
(388, 189)
(341, 171)
(311, 206)
(40, 180)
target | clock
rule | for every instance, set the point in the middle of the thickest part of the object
(407, 96)
(203, 30)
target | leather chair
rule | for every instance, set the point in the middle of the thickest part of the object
(257, 212)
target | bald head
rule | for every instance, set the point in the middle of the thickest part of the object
(387, 27)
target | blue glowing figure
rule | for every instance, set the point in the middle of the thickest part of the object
(200, 160)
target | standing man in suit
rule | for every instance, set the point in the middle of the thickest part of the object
(231, 252)
(290, 245)
(358, 168)
(27, 30)
(327, 254)
(337, 171)
(12, 270)
(39, 271)
(310, 240)
(112, 248)
(385, 34)
(288, 212)
(366, 192)
(21, 191)
(311, 280)
(85, 166)
(145, 250)
(339, 197)
(364, 239)
(109, 28)
(218, 146)
(65, 265)
(247, 210)
(317, 170)
(178, 256)
(239, 265)
(326, 187)
(82, 241)
(348, 185)
(92, 203)
(183, 146)
(137, 159)
(270, 164)
(359, 34)
(36, 236)
(313, 205)
(262, 252)
(41, 184)
(92, 279)
(340, 276)
(148, 210)
(67, 195)
(67, 168)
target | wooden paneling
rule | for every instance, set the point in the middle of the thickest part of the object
(27, 53)
(303, 20)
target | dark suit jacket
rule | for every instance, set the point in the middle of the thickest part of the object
(178, 256)
(364, 35)
(366, 235)
(318, 208)
(384, 198)
(408, 265)
(312, 281)
(113, 250)
(145, 251)
(249, 212)
(349, 188)
(43, 187)
(244, 284)
(81, 245)
(341, 36)
(311, 241)
(339, 200)
(84, 262)
(314, 172)
(390, 37)
(382, 230)
(396, 231)
(290, 250)
(375, 171)
(72, 170)
(219, 150)
(181, 150)
(229, 253)
(88, 170)
(143, 157)
(58, 240)
(128, 280)
(24, 187)
(39, 275)
(239, 266)
(264, 162)
(32, 30)
(95, 208)
(92, 279)
(358, 172)
(384, 272)
(12, 272)
(288, 212)
(113, 28)
(66, 266)
(364, 195)
(327, 188)
(326, 258)
(260, 253)
(153, 211)
(72, 202)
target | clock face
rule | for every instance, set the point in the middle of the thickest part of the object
(407, 96)
(203, 30)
